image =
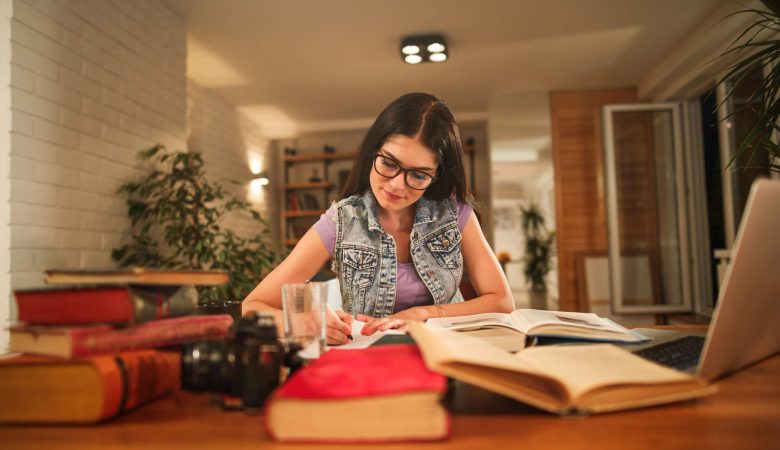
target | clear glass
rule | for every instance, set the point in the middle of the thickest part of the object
(647, 207)
(304, 308)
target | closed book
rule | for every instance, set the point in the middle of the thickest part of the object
(137, 275)
(39, 389)
(376, 394)
(119, 305)
(70, 342)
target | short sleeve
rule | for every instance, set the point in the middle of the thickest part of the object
(326, 229)
(464, 212)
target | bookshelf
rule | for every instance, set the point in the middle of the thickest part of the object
(306, 199)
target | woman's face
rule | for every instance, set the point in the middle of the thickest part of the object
(393, 194)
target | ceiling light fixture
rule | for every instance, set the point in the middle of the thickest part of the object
(424, 48)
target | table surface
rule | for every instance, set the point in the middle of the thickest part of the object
(744, 413)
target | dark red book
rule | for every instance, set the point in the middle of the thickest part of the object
(70, 342)
(377, 394)
(41, 389)
(121, 305)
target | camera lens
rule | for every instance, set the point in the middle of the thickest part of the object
(206, 365)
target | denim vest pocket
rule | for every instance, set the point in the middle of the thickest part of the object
(359, 265)
(444, 244)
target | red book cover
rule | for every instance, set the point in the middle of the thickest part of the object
(104, 304)
(83, 390)
(69, 342)
(380, 394)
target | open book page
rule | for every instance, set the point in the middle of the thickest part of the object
(587, 367)
(574, 325)
(473, 322)
(528, 319)
(478, 362)
(556, 378)
(361, 341)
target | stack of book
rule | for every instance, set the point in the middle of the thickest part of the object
(97, 343)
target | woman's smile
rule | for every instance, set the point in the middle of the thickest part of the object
(391, 197)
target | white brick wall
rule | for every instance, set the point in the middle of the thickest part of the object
(92, 82)
(5, 162)
(231, 144)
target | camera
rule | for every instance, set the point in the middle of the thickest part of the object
(246, 366)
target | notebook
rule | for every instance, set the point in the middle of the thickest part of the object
(745, 326)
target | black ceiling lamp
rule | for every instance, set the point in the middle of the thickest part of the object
(424, 48)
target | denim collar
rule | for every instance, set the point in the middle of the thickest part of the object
(425, 211)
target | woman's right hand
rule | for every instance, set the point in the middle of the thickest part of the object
(339, 327)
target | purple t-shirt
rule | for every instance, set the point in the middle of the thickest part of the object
(410, 290)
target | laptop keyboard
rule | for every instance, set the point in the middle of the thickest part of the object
(681, 354)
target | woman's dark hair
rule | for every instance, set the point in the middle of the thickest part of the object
(421, 116)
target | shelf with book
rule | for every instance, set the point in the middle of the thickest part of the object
(306, 199)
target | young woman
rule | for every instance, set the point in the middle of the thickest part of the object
(403, 233)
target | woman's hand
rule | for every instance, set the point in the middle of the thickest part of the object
(374, 324)
(339, 327)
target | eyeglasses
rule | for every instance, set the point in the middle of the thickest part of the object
(390, 168)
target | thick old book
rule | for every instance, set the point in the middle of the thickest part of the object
(119, 305)
(137, 275)
(566, 379)
(376, 394)
(39, 389)
(70, 342)
(543, 324)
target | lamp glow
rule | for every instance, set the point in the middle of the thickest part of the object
(436, 47)
(424, 48)
(410, 50)
(438, 57)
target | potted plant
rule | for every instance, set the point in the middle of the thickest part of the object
(761, 48)
(176, 217)
(538, 254)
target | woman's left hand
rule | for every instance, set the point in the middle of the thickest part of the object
(397, 321)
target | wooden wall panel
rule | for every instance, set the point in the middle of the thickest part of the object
(579, 180)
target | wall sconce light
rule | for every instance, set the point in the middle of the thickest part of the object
(261, 179)
(424, 48)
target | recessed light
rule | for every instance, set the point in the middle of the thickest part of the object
(438, 57)
(436, 47)
(410, 50)
(424, 48)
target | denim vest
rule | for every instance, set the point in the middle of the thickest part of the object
(365, 255)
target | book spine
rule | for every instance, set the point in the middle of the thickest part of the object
(75, 306)
(159, 333)
(133, 378)
(114, 305)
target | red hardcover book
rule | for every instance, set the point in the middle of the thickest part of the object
(71, 342)
(104, 304)
(378, 394)
(40, 389)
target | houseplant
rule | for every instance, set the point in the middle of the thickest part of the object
(538, 253)
(761, 49)
(176, 217)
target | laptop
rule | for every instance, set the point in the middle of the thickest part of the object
(745, 326)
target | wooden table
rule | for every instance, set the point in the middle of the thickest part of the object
(744, 414)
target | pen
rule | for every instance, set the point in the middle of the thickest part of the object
(349, 336)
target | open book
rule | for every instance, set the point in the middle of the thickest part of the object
(565, 379)
(540, 323)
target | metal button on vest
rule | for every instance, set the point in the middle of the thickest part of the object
(430, 273)
(446, 243)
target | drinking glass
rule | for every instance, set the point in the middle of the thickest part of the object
(304, 308)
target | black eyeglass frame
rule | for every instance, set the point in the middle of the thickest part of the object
(403, 169)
